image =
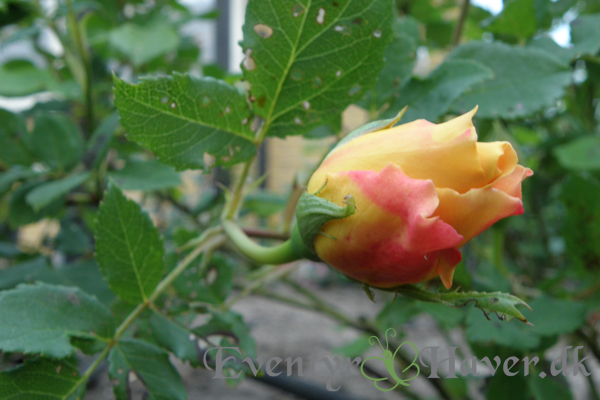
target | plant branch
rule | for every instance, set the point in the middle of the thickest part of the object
(212, 238)
(458, 29)
(86, 60)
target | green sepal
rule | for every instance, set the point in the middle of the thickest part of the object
(369, 127)
(312, 212)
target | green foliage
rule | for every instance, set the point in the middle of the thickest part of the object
(59, 314)
(432, 97)
(526, 80)
(129, 249)
(150, 364)
(130, 81)
(41, 379)
(306, 61)
(182, 118)
(145, 175)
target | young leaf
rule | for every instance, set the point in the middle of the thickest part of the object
(526, 80)
(42, 318)
(129, 249)
(41, 379)
(48, 192)
(187, 122)
(308, 60)
(150, 364)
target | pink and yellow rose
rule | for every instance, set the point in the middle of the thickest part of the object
(422, 191)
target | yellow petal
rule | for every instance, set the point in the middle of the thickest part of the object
(446, 154)
(473, 212)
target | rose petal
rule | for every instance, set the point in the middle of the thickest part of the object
(511, 184)
(497, 159)
(473, 212)
(392, 239)
(446, 153)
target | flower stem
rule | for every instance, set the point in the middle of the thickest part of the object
(284, 253)
(87, 64)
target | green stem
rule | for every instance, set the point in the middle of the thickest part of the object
(234, 203)
(464, 11)
(282, 254)
(86, 60)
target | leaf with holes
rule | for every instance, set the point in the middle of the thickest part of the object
(43, 318)
(175, 337)
(41, 379)
(129, 249)
(150, 364)
(526, 80)
(308, 60)
(187, 122)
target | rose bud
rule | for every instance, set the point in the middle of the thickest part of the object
(407, 199)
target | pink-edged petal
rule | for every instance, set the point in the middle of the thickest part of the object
(393, 238)
(511, 184)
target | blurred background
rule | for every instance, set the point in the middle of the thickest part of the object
(58, 126)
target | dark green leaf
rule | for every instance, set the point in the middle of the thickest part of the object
(14, 174)
(145, 175)
(144, 43)
(129, 249)
(549, 388)
(581, 228)
(72, 239)
(547, 311)
(432, 97)
(21, 213)
(176, 338)
(48, 192)
(181, 118)
(307, 60)
(265, 203)
(41, 379)
(580, 154)
(41, 318)
(56, 141)
(150, 364)
(517, 19)
(503, 387)
(13, 132)
(527, 80)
